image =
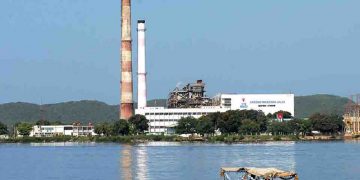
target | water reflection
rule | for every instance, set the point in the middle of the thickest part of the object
(126, 162)
(156, 160)
(134, 162)
(273, 154)
(149, 144)
(141, 156)
(61, 144)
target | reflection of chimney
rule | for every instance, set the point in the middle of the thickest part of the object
(126, 163)
(126, 107)
(141, 65)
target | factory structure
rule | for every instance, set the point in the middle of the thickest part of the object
(352, 116)
(190, 100)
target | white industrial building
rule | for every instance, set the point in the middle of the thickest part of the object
(191, 100)
(268, 103)
(62, 130)
(163, 120)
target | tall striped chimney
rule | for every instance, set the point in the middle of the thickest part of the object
(141, 65)
(126, 107)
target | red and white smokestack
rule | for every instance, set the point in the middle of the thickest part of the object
(126, 107)
(141, 65)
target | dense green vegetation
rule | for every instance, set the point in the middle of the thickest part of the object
(24, 128)
(251, 122)
(3, 129)
(136, 125)
(327, 124)
(95, 112)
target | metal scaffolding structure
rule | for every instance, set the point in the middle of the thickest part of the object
(352, 115)
(190, 96)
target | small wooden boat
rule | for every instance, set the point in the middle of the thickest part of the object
(245, 173)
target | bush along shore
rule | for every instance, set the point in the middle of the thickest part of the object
(157, 138)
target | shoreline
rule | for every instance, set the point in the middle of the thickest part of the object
(228, 139)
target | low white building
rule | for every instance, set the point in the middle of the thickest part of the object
(162, 120)
(62, 130)
(4, 136)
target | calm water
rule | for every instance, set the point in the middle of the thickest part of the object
(321, 160)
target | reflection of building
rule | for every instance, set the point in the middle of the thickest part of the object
(62, 130)
(126, 162)
(133, 162)
(162, 120)
(141, 161)
(352, 115)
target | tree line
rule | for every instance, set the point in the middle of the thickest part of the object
(136, 125)
(245, 122)
(252, 122)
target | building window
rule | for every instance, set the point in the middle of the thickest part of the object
(227, 102)
(68, 128)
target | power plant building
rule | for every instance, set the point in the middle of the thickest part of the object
(191, 100)
(163, 120)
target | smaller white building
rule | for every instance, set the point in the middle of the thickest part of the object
(62, 130)
(4, 136)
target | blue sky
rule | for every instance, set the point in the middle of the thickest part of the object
(62, 50)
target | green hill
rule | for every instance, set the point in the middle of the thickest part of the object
(67, 112)
(329, 104)
(95, 111)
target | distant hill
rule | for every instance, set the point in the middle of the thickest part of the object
(67, 112)
(95, 111)
(329, 104)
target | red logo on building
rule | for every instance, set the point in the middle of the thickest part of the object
(280, 116)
